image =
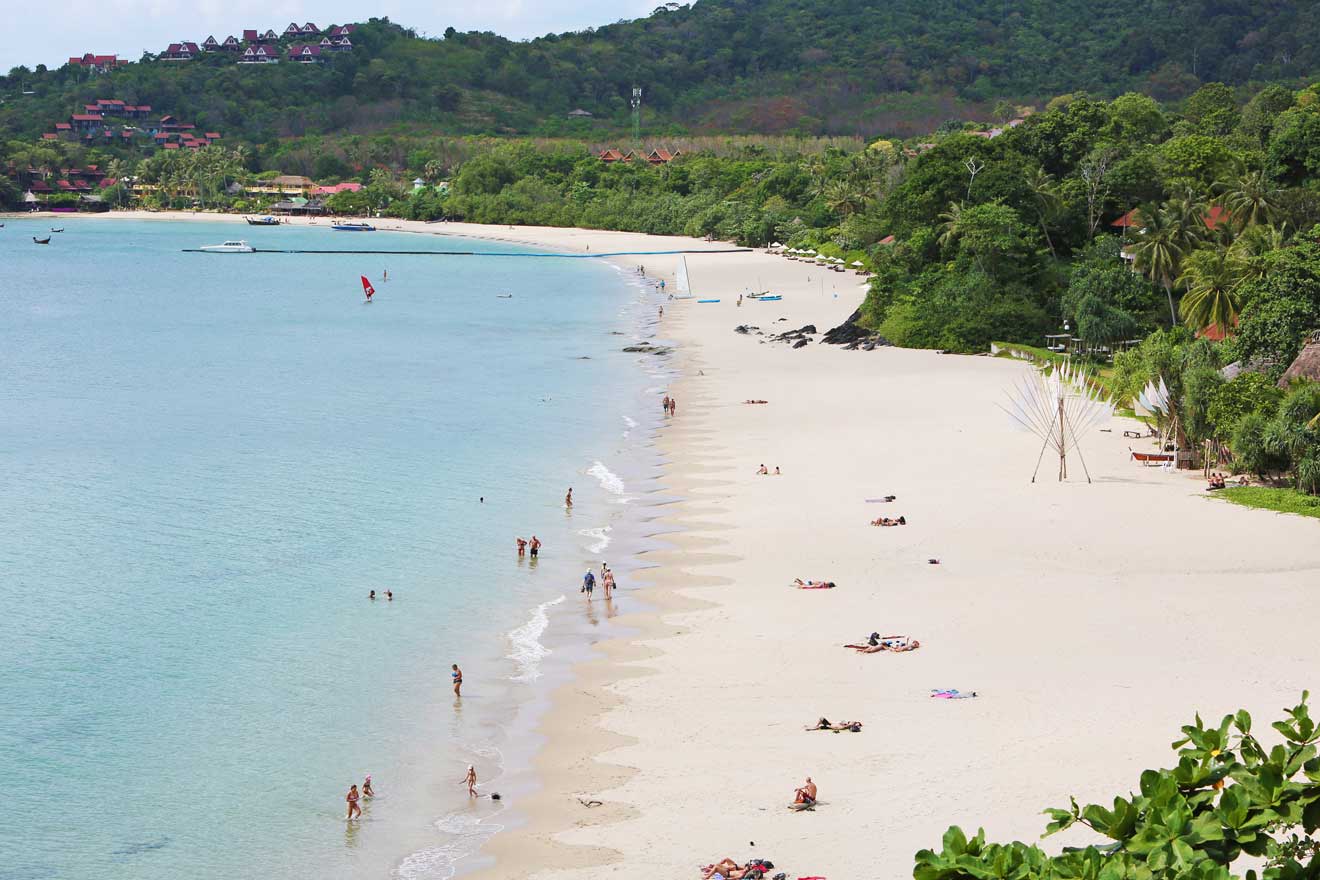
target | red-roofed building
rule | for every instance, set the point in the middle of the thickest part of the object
(613, 155)
(39, 186)
(97, 63)
(1217, 216)
(180, 52)
(210, 44)
(231, 44)
(270, 36)
(305, 54)
(259, 55)
(661, 157)
(249, 35)
(86, 121)
(213, 135)
(346, 186)
(141, 111)
(63, 127)
(1130, 220)
(50, 136)
(171, 146)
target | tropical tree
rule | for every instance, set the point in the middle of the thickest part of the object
(1250, 198)
(949, 220)
(1211, 277)
(843, 198)
(1159, 251)
(1045, 199)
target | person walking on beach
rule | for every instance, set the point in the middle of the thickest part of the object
(354, 811)
(568, 499)
(535, 545)
(673, 405)
(607, 580)
(522, 546)
(588, 584)
(457, 676)
(471, 780)
(664, 405)
(662, 311)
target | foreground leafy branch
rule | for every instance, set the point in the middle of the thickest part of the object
(1228, 796)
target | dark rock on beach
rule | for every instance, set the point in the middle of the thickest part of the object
(647, 348)
(853, 336)
(800, 343)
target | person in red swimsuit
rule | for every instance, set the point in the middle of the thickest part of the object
(354, 811)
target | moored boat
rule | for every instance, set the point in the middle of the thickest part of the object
(262, 221)
(229, 247)
(354, 227)
(45, 240)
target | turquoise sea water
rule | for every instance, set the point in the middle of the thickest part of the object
(207, 461)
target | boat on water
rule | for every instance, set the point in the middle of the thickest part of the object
(53, 229)
(229, 247)
(353, 227)
(45, 240)
(262, 221)
(367, 288)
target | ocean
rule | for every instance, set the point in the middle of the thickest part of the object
(208, 461)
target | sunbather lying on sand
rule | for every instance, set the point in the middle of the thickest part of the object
(878, 643)
(886, 521)
(813, 585)
(730, 870)
(756, 401)
(824, 724)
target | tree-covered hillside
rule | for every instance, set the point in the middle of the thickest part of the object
(811, 66)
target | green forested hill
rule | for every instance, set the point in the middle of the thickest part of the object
(809, 66)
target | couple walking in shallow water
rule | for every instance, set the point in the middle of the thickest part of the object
(354, 796)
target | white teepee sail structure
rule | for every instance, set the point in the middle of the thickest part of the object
(1059, 406)
(682, 286)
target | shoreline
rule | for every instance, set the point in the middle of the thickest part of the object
(1084, 615)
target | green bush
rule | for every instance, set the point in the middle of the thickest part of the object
(1254, 448)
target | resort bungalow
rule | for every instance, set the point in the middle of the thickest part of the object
(210, 44)
(305, 54)
(259, 55)
(110, 106)
(661, 157)
(180, 52)
(613, 155)
(231, 44)
(1306, 367)
(86, 121)
(347, 186)
(97, 63)
(249, 35)
(342, 31)
(298, 205)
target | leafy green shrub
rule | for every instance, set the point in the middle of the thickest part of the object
(1229, 796)
(1248, 393)
(1253, 447)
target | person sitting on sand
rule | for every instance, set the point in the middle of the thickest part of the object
(824, 724)
(806, 795)
(887, 522)
(1217, 481)
(777, 473)
(762, 471)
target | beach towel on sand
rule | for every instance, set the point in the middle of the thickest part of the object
(951, 694)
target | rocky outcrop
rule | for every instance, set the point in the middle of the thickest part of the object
(647, 348)
(853, 335)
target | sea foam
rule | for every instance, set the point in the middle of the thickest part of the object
(525, 648)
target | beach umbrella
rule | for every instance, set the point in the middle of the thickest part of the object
(809, 251)
(838, 259)
(857, 263)
(775, 244)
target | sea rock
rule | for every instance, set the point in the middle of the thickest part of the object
(647, 348)
(800, 343)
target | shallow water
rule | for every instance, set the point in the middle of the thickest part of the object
(206, 461)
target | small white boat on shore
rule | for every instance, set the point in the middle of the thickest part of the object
(229, 247)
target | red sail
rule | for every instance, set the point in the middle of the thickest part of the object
(366, 287)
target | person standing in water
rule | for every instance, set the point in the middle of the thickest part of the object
(588, 584)
(471, 780)
(535, 546)
(568, 499)
(457, 676)
(354, 811)
(673, 405)
(522, 547)
(367, 791)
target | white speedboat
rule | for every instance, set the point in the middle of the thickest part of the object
(229, 247)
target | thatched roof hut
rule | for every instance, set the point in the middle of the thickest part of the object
(1307, 365)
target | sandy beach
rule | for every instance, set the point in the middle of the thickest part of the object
(1091, 619)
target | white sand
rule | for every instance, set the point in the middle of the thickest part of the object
(1093, 619)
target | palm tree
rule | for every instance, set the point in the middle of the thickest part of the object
(842, 198)
(1250, 198)
(1211, 277)
(1046, 199)
(1159, 250)
(1252, 245)
(950, 227)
